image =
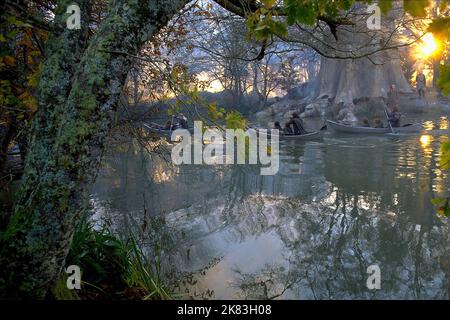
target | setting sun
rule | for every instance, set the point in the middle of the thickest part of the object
(427, 46)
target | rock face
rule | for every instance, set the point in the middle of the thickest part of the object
(317, 108)
(370, 108)
(280, 111)
(346, 115)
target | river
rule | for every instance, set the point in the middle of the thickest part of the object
(336, 207)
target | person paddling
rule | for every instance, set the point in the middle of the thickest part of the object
(168, 125)
(394, 117)
(182, 121)
(277, 126)
(287, 129)
(297, 124)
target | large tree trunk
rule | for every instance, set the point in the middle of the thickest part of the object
(347, 80)
(350, 80)
(79, 90)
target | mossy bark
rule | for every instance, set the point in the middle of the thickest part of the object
(79, 92)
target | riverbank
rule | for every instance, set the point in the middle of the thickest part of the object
(112, 267)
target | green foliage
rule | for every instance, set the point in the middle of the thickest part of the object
(444, 79)
(213, 113)
(445, 155)
(440, 27)
(234, 120)
(385, 6)
(144, 275)
(263, 22)
(307, 11)
(102, 257)
(269, 3)
(111, 265)
(301, 11)
(443, 206)
(443, 82)
(417, 8)
(19, 76)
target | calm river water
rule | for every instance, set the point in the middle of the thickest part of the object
(336, 207)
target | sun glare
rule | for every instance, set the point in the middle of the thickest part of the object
(214, 85)
(425, 140)
(426, 47)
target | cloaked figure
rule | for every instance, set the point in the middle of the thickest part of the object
(421, 84)
(297, 124)
(394, 117)
(277, 126)
(182, 121)
(287, 129)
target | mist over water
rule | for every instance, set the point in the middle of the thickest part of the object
(310, 232)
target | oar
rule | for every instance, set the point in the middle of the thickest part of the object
(387, 117)
(171, 124)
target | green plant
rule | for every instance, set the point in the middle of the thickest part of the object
(443, 204)
(111, 267)
(145, 275)
(102, 256)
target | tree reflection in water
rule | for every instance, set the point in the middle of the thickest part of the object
(309, 232)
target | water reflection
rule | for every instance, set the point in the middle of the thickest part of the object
(443, 123)
(425, 141)
(308, 232)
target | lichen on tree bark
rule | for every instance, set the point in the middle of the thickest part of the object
(78, 93)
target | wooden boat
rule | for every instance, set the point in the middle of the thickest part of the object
(158, 129)
(340, 127)
(307, 136)
(410, 127)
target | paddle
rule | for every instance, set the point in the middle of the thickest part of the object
(171, 124)
(387, 117)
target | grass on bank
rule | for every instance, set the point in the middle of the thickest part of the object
(111, 268)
